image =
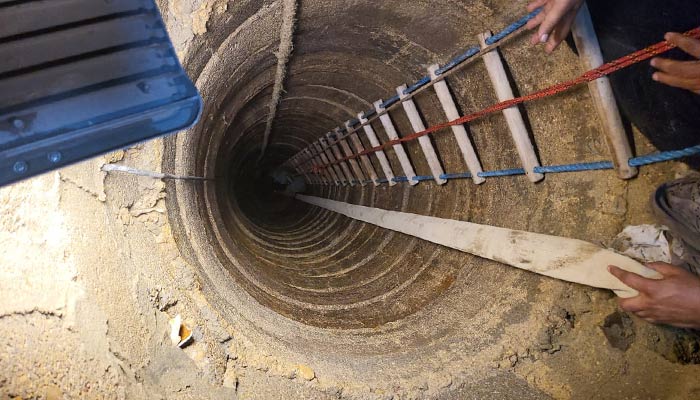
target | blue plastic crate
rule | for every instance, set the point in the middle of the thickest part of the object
(80, 78)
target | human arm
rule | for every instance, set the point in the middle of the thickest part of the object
(673, 300)
(681, 74)
(554, 22)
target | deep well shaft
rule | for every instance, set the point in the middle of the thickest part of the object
(316, 266)
(315, 282)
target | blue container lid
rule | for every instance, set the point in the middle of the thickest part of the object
(80, 78)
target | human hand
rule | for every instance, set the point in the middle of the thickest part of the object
(673, 300)
(681, 74)
(554, 21)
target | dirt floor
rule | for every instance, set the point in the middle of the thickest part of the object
(92, 270)
(91, 275)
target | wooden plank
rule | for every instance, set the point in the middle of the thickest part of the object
(359, 147)
(381, 156)
(316, 162)
(353, 162)
(326, 163)
(409, 106)
(601, 91)
(310, 167)
(333, 145)
(557, 257)
(516, 124)
(398, 148)
(459, 131)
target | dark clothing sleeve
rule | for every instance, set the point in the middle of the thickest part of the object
(669, 117)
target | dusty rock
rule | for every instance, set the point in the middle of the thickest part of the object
(305, 372)
(619, 330)
(440, 381)
(53, 393)
(230, 376)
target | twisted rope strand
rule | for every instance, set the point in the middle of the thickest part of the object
(589, 76)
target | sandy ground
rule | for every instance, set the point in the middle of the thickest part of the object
(90, 275)
(85, 321)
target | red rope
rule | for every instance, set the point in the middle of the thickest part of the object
(603, 70)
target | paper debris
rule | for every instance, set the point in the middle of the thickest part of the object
(644, 243)
(180, 334)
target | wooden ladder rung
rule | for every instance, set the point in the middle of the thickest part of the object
(516, 124)
(409, 106)
(359, 147)
(337, 157)
(381, 156)
(601, 91)
(398, 148)
(459, 131)
(315, 164)
(359, 174)
(327, 163)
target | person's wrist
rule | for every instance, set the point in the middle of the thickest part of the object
(696, 308)
(693, 296)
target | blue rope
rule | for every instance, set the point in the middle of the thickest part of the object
(419, 84)
(471, 52)
(463, 175)
(390, 101)
(574, 167)
(507, 31)
(601, 165)
(510, 29)
(369, 113)
(664, 156)
(502, 172)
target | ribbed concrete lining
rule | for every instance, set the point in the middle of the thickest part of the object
(314, 282)
(321, 269)
(306, 264)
